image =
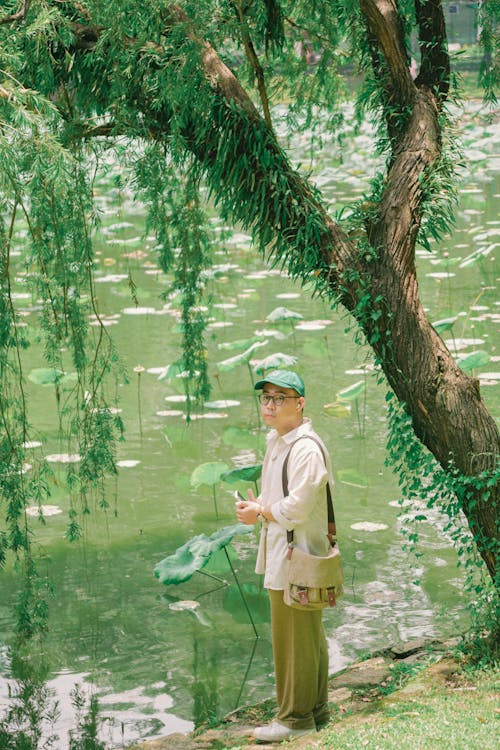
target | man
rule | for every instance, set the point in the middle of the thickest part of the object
(299, 643)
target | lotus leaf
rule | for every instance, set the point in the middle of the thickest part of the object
(353, 392)
(473, 360)
(45, 375)
(444, 325)
(240, 438)
(240, 359)
(282, 313)
(353, 478)
(209, 473)
(244, 473)
(337, 409)
(239, 344)
(275, 361)
(195, 554)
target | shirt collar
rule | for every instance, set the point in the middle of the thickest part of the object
(291, 437)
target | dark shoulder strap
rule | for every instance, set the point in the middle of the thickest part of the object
(332, 529)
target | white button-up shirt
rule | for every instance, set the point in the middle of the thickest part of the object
(303, 510)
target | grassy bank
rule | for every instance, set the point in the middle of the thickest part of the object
(461, 713)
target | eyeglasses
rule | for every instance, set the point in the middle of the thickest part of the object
(265, 399)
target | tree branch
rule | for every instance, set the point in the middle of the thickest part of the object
(18, 16)
(435, 60)
(255, 64)
(382, 19)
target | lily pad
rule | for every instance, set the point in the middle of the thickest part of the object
(353, 478)
(237, 437)
(369, 526)
(223, 403)
(208, 473)
(63, 458)
(195, 554)
(43, 510)
(46, 375)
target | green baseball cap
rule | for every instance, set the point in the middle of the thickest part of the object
(284, 378)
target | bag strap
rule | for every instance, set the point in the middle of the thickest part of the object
(332, 529)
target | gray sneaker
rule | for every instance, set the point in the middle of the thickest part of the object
(276, 732)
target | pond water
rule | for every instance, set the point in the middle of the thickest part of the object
(158, 668)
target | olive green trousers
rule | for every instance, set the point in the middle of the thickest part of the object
(301, 665)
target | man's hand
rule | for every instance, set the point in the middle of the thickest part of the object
(248, 511)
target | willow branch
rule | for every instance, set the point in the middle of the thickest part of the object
(18, 16)
(255, 65)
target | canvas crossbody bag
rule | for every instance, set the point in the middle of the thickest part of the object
(312, 582)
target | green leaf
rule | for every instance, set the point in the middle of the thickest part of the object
(353, 478)
(275, 361)
(46, 376)
(446, 324)
(240, 359)
(280, 314)
(243, 474)
(239, 343)
(337, 409)
(195, 554)
(173, 370)
(473, 360)
(353, 392)
(208, 473)
(239, 438)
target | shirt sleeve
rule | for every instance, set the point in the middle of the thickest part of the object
(307, 474)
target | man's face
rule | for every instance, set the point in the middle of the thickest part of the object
(284, 417)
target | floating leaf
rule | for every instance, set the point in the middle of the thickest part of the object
(243, 474)
(481, 252)
(337, 409)
(240, 438)
(353, 478)
(43, 510)
(275, 361)
(45, 375)
(239, 344)
(186, 605)
(353, 392)
(208, 473)
(473, 360)
(173, 370)
(369, 526)
(280, 314)
(224, 403)
(195, 554)
(446, 324)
